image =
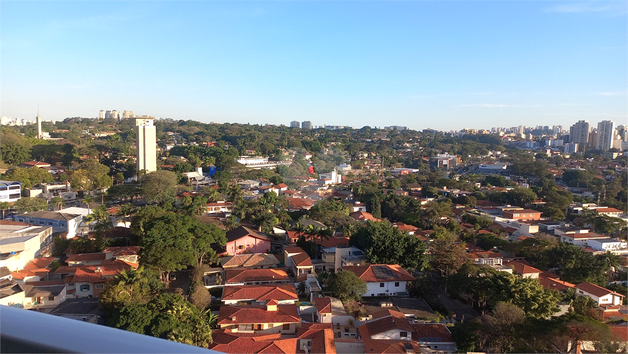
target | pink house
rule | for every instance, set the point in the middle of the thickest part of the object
(246, 240)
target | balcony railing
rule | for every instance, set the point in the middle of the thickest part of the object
(26, 331)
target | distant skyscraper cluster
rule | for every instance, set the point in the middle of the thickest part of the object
(113, 114)
(304, 125)
(605, 137)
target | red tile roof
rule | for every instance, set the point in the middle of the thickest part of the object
(249, 275)
(596, 290)
(436, 332)
(387, 320)
(322, 336)
(233, 315)
(260, 292)
(380, 272)
(84, 257)
(302, 260)
(323, 304)
(39, 263)
(554, 283)
(335, 241)
(362, 216)
(522, 268)
(239, 343)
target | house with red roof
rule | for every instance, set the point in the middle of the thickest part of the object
(363, 216)
(316, 338)
(90, 281)
(600, 295)
(250, 261)
(284, 294)
(387, 325)
(227, 341)
(298, 261)
(246, 240)
(297, 204)
(271, 318)
(434, 336)
(256, 276)
(524, 269)
(382, 279)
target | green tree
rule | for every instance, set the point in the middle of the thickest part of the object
(346, 285)
(159, 186)
(384, 244)
(499, 330)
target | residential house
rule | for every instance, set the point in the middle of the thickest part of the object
(331, 310)
(246, 240)
(578, 237)
(522, 214)
(220, 206)
(298, 261)
(259, 294)
(226, 341)
(271, 318)
(316, 338)
(524, 269)
(614, 245)
(491, 259)
(600, 295)
(340, 256)
(363, 216)
(60, 222)
(250, 261)
(35, 270)
(435, 336)
(43, 297)
(256, 276)
(297, 204)
(382, 279)
(90, 280)
(387, 325)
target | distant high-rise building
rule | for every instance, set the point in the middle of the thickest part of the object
(40, 134)
(579, 133)
(294, 124)
(101, 114)
(128, 115)
(605, 133)
(146, 144)
(306, 124)
(107, 114)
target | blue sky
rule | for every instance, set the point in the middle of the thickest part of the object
(445, 65)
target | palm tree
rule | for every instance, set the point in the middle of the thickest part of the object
(130, 278)
(87, 200)
(58, 201)
(4, 206)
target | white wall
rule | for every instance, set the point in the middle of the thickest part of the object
(372, 289)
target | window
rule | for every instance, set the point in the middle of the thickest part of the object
(396, 283)
(286, 327)
(99, 286)
(346, 330)
(241, 247)
(49, 223)
(381, 285)
(51, 298)
(403, 334)
(85, 287)
(258, 327)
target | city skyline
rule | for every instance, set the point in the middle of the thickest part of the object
(440, 65)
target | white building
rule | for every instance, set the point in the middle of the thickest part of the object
(10, 191)
(332, 177)
(382, 279)
(256, 162)
(613, 245)
(60, 222)
(605, 133)
(146, 144)
(600, 295)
